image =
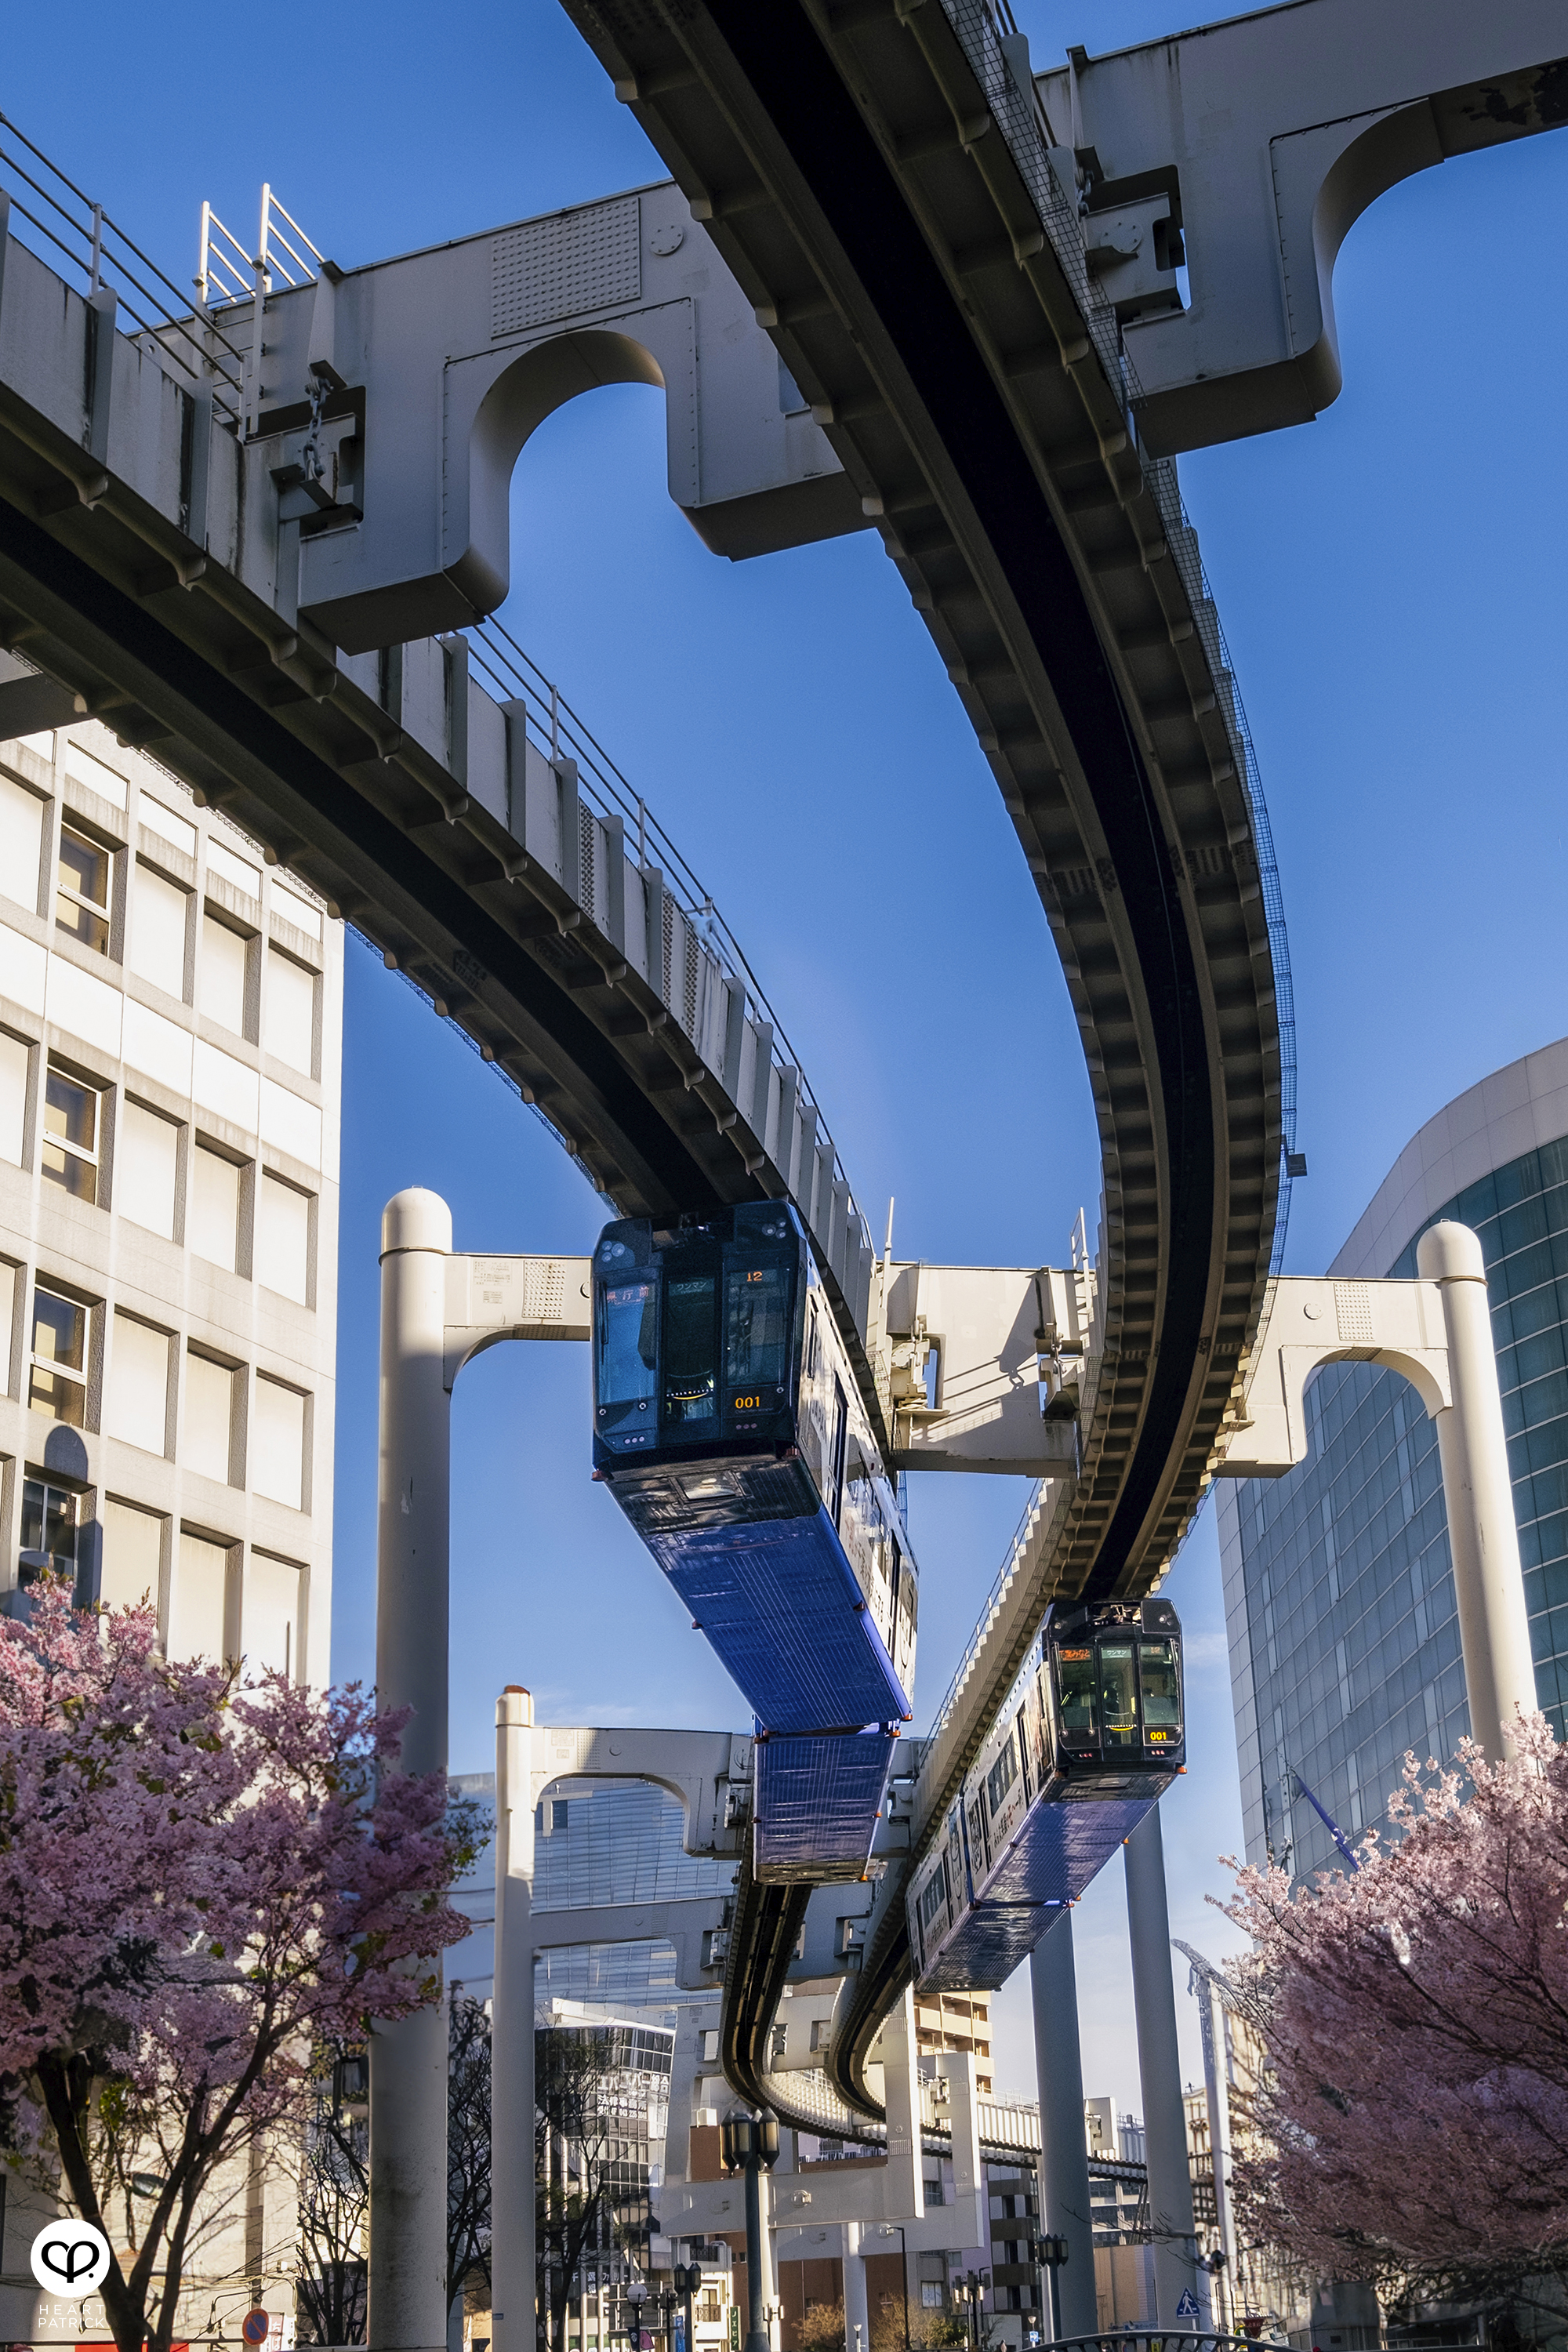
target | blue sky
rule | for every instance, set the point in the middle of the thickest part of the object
(1390, 581)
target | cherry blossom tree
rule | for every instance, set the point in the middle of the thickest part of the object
(200, 1881)
(1414, 2121)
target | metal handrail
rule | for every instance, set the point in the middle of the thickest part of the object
(558, 731)
(103, 256)
(1155, 2339)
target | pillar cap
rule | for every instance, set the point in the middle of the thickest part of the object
(515, 1706)
(1450, 1252)
(416, 1220)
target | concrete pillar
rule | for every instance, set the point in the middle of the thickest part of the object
(1064, 2151)
(511, 2032)
(1160, 2071)
(1478, 1495)
(856, 2311)
(407, 2266)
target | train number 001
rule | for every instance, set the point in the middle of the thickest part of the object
(747, 1404)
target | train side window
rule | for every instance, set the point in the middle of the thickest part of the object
(1075, 1694)
(837, 1439)
(1001, 1775)
(812, 1340)
(933, 1900)
(690, 1388)
(979, 1842)
(628, 1346)
(757, 1302)
(1118, 1694)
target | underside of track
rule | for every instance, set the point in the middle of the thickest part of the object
(851, 167)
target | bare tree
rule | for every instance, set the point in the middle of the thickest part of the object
(334, 2200)
(468, 2146)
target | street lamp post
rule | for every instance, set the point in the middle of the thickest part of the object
(888, 2228)
(687, 2278)
(637, 2296)
(1049, 2254)
(750, 2143)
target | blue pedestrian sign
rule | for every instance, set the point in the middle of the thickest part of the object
(1189, 2306)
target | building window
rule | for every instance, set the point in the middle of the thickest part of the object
(156, 950)
(82, 877)
(223, 983)
(271, 1628)
(931, 2295)
(58, 1385)
(277, 1443)
(290, 1029)
(71, 1125)
(207, 1444)
(136, 1407)
(48, 1531)
(198, 1599)
(21, 842)
(15, 1066)
(212, 1229)
(283, 1238)
(132, 1557)
(146, 1167)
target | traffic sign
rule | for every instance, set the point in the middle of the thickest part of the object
(71, 2254)
(255, 2325)
(1189, 2306)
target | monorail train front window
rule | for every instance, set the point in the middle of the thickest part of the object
(627, 1348)
(1118, 1694)
(756, 1334)
(1162, 1687)
(689, 1350)
(1075, 1694)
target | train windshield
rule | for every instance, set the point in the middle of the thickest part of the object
(689, 1350)
(1118, 1695)
(1161, 1681)
(627, 1345)
(757, 1300)
(1075, 1691)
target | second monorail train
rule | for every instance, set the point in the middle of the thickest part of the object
(1090, 1736)
(727, 1426)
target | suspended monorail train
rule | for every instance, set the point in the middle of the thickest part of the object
(727, 1426)
(1090, 1736)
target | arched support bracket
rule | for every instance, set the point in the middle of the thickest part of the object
(1308, 1322)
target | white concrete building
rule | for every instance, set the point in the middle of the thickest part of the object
(171, 1035)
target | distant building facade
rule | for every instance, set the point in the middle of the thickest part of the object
(1344, 1644)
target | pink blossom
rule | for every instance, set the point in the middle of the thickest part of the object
(1416, 2018)
(199, 1880)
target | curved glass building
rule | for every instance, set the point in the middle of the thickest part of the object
(1344, 1644)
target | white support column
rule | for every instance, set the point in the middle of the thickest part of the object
(407, 2265)
(1478, 1495)
(1064, 2151)
(857, 2312)
(1160, 2071)
(512, 2033)
(902, 2098)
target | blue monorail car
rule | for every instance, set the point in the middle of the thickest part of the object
(1090, 1736)
(728, 1428)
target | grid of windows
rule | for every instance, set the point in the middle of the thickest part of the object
(1350, 1626)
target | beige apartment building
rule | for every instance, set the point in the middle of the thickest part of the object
(171, 1033)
